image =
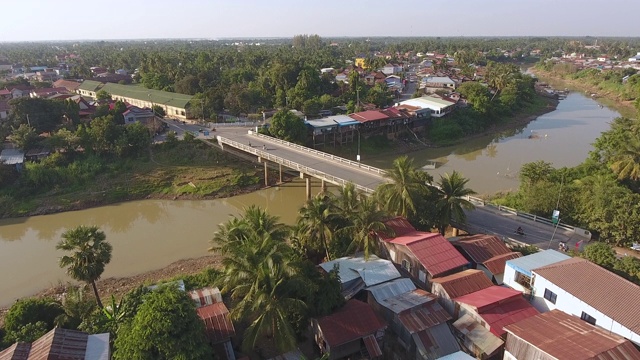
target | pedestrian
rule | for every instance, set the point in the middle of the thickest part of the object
(264, 147)
(250, 144)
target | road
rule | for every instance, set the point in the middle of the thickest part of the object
(484, 219)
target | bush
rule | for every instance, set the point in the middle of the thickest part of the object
(27, 319)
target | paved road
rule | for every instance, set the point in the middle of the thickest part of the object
(484, 219)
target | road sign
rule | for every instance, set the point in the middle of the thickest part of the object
(555, 217)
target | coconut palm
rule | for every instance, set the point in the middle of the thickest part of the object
(451, 206)
(315, 224)
(398, 196)
(347, 201)
(626, 164)
(365, 225)
(90, 254)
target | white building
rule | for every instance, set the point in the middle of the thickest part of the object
(635, 58)
(517, 272)
(590, 292)
(391, 69)
(437, 107)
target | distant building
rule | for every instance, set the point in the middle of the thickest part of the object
(436, 107)
(635, 58)
(135, 114)
(432, 83)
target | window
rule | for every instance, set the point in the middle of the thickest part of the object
(406, 265)
(588, 318)
(550, 295)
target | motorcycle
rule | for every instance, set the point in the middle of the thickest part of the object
(520, 232)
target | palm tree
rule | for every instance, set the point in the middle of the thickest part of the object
(626, 164)
(398, 196)
(315, 223)
(451, 204)
(90, 254)
(365, 225)
(76, 308)
(347, 201)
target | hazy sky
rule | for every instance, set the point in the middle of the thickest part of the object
(28, 20)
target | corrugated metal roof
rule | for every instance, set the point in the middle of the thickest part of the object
(390, 289)
(90, 85)
(17, 351)
(482, 338)
(330, 121)
(497, 263)
(427, 102)
(424, 316)
(463, 283)
(460, 355)
(60, 344)
(11, 156)
(563, 336)
(371, 344)
(217, 323)
(596, 286)
(144, 94)
(353, 321)
(373, 271)
(206, 296)
(435, 342)
(488, 297)
(369, 115)
(408, 300)
(434, 252)
(507, 313)
(527, 263)
(400, 226)
(97, 347)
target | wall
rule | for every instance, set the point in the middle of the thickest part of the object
(574, 306)
(509, 278)
(443, 298)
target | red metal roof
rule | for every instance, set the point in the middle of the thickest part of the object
(463, 283)
(393, 113)
(491, 296)
(60, 344)
(424, 317)
(496, 264)
(5, 92)
(218, 325)
(370, 115)
(563, 336)
(353, 321)
(206, 296)
(507, 313)
(400, 226)
(433, 251)
(372, 346)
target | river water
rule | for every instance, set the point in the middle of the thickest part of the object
(151, 234)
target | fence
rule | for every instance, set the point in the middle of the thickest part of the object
(292, 165)
(321, 154)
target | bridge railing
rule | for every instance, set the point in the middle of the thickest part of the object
(532, 217)
(321, 154)
(292, 165)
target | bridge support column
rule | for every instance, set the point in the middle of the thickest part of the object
(266, 173)
(280, 173)
(323, 186)
(308, 182)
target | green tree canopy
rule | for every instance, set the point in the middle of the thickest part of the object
(30, 318)
(165, 327)
(287, 126)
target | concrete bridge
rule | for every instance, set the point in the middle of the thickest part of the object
(486, 218)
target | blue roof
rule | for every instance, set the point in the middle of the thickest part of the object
(542, 258)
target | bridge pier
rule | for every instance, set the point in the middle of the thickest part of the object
(307, 180)
(266, 173)
(280, 165)
(323, 186)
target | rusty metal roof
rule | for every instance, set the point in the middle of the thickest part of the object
(60, 344)
(507, 313)
(400, 226)
(497, 263)
(596, 286)
(17, 351)
(435, 342)
(482, 338)
(373, 348)
(407, 300)
(353, 321)
(463, 283)
(433, 251)
(424, 317)
(563, 336)
(481, 247)
(217, 323)
(489, 297)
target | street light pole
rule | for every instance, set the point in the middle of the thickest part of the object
(358, 155)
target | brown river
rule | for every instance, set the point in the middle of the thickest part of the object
(151, 234)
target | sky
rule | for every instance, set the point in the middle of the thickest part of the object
(33, 20)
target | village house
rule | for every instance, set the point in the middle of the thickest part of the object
(71, 86)
(357, 274)
(432, 83)
(456, 285)
(477, 339)
(12, 157)
(352, 329)
(89, 88)
(557, 335)
(135, 114)
(61, 344)
(635, 58)
(47, 92)
(593, 293)
(391, 69)
(518, 272)
(18, 91)
(487, 253)
(415, 317)
(436, 107)
(421, 255)
(332, 130)
(5, 109)
(217, 321)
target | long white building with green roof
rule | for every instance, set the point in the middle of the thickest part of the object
(175, 105)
